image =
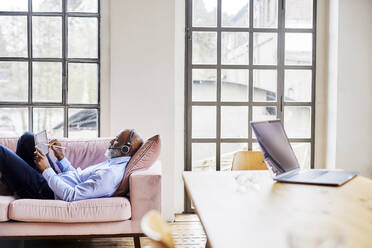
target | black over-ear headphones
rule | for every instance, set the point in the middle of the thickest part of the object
(125, 149)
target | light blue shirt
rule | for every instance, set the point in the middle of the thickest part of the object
(100, 180)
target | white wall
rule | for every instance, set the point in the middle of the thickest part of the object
(143, 78)
(354, 108)
(321, 84)
(179, 68)
(351, 85)
(332, 76)
(105, 121)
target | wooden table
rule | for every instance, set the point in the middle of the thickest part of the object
(249, 209)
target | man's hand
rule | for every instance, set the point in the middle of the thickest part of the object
(41, 160)
(57, 151)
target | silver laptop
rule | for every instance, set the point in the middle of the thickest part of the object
(282, 162)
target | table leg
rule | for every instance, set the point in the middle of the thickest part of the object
(137, 242)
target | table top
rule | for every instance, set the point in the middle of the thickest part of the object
(249, 209)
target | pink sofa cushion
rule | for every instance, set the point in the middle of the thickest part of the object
(10, 142)
(142, 159)
(4, 204)
(92, 210)
(84, 152)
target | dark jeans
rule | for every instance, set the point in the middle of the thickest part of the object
(20, 173)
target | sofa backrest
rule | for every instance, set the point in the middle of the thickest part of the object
(80, 152)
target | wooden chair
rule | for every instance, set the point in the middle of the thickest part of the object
(157, 230)
(248, 160)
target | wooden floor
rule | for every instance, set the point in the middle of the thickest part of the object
(187, 232)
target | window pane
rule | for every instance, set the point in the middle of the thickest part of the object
(297, 121)
(203, 122)
(49, 119)
(297, 85)
(13, 36)
(235, 13)
(203, 157)
(264, 85)
(14, 5)
(82, 83)
(298, 13)
(204, 47)
(234, 85)
(204, 13)
(82, 37)
(82, 123)
(298, 49)
(13, 121)
(227, 153)
(82, 6)
(265, 48)
(46, 5)
(13, 81)
(303, 154)
(234, 122)
(265, 14)
(263, 114)
(256, 147)
(204, 84)
(234, 48)
(47, 82)
(47, 37)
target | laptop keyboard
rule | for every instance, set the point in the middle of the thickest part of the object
(307, 175)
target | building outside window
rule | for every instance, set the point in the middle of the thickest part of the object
(50, 67)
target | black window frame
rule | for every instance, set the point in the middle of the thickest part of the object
(30, 104)
(280, 102)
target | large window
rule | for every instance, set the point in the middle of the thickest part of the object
(49, 67)
(248, 60)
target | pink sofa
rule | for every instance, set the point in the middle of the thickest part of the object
(114, 216)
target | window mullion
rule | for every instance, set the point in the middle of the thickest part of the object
(99, 69)
(64, 67)
(188, 97)
(250, 74)
(313, 88)
(29, 48)
(280, 52)
(218, 110)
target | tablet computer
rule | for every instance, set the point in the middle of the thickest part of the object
(41, 141)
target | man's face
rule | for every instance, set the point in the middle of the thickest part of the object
(118, 141)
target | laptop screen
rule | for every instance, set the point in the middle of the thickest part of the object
(276, 149)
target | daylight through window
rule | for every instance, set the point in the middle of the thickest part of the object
(50, 67)
(248, 60)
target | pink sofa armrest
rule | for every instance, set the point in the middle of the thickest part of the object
(145, 191)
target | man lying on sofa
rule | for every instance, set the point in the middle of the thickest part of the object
(31, 174)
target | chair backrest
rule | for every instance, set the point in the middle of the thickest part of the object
(248, 160)
(157, 230)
